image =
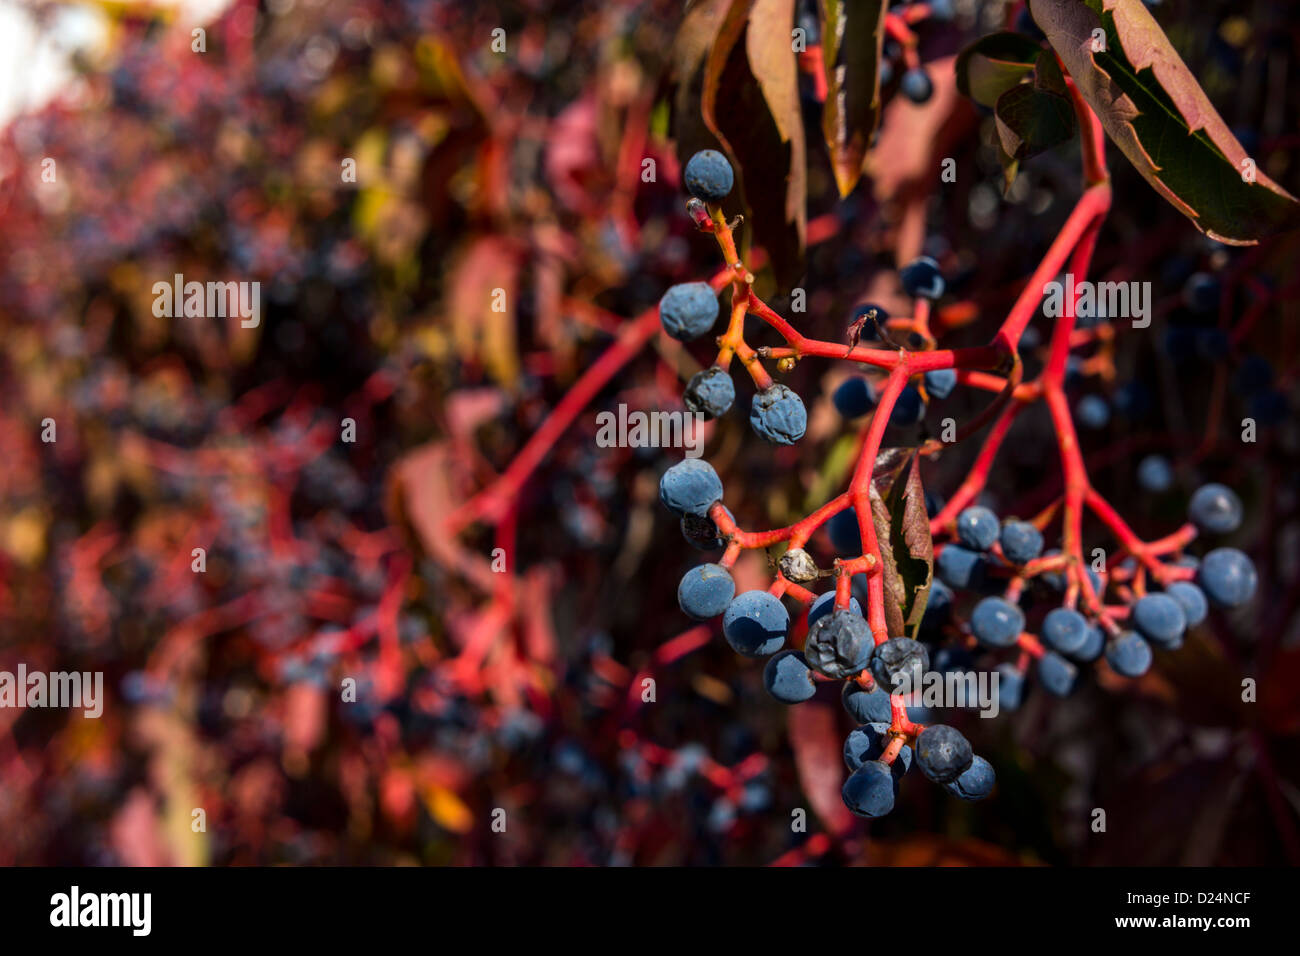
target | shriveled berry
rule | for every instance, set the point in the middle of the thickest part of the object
(899, 663)
(839, 645)
(778, 415)
(710, 392)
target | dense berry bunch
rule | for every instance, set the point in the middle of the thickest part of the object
(994, 589)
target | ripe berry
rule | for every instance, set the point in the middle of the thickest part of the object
(1128, 655)
(700, 532)
(1215, 509)
(1094, 643)
(825, 603)
(854, 397)
(688, 310)
(940, 382)
(916, 85)
(866, 707)
(976, 781)
(1227, 577)
(868, 742)
(1191, 599)
(1092, 412)
(1056, 674)
(839, 645)
(710, 392)
(1201, 292)
(690, 487)
(1011, 687)
(942, 753)
(996, 622)
(756, 624)
(706, 591)
(778, 415)
(899, 663)
(908, 409)
(1155, 474)
(1160, 619)
(1065, 630)
(1021, 542)
(709, 176)
(922, 279)
(960, 567)
(846, 538)
(977, 528)
(869, 791)
(787, 678)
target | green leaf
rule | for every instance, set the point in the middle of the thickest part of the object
(994, 64)
(903, 535)
(853, 33)
(1033, 117)
(1157, 114)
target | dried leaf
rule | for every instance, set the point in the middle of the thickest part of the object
(853, 33)
(903, 536)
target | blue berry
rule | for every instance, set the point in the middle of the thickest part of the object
(996, 622)
(976, 781)
(977, 528)
(940, 383)
(922, 278)
(1065, 630)
(690, 487)
(778, 415)
(688, 310)
(710, 392)
(1155, 474)
(1021, 542)
(942, 753)
(1056, 674)
(1191, 599)
(823, 605)
(1227, 577)
(756, 624)
(1201, 292)
(1128, 655)
(1011, 687)
(839, 645)
(1094, 643)
(1253, 374)
(854, 397)
(868, 742)
(960, 567)
(705, 591)
(866, 707)
(1215, 509)
(700, 531)
(899, 663)
(787, 678)
(1092, 412)
(938, 607)
(908, 409)
(870, 790)
(709, 176)
(1160, 619)
(846, 539)
(916, 85)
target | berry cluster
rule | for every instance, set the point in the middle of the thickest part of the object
(989, 584)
